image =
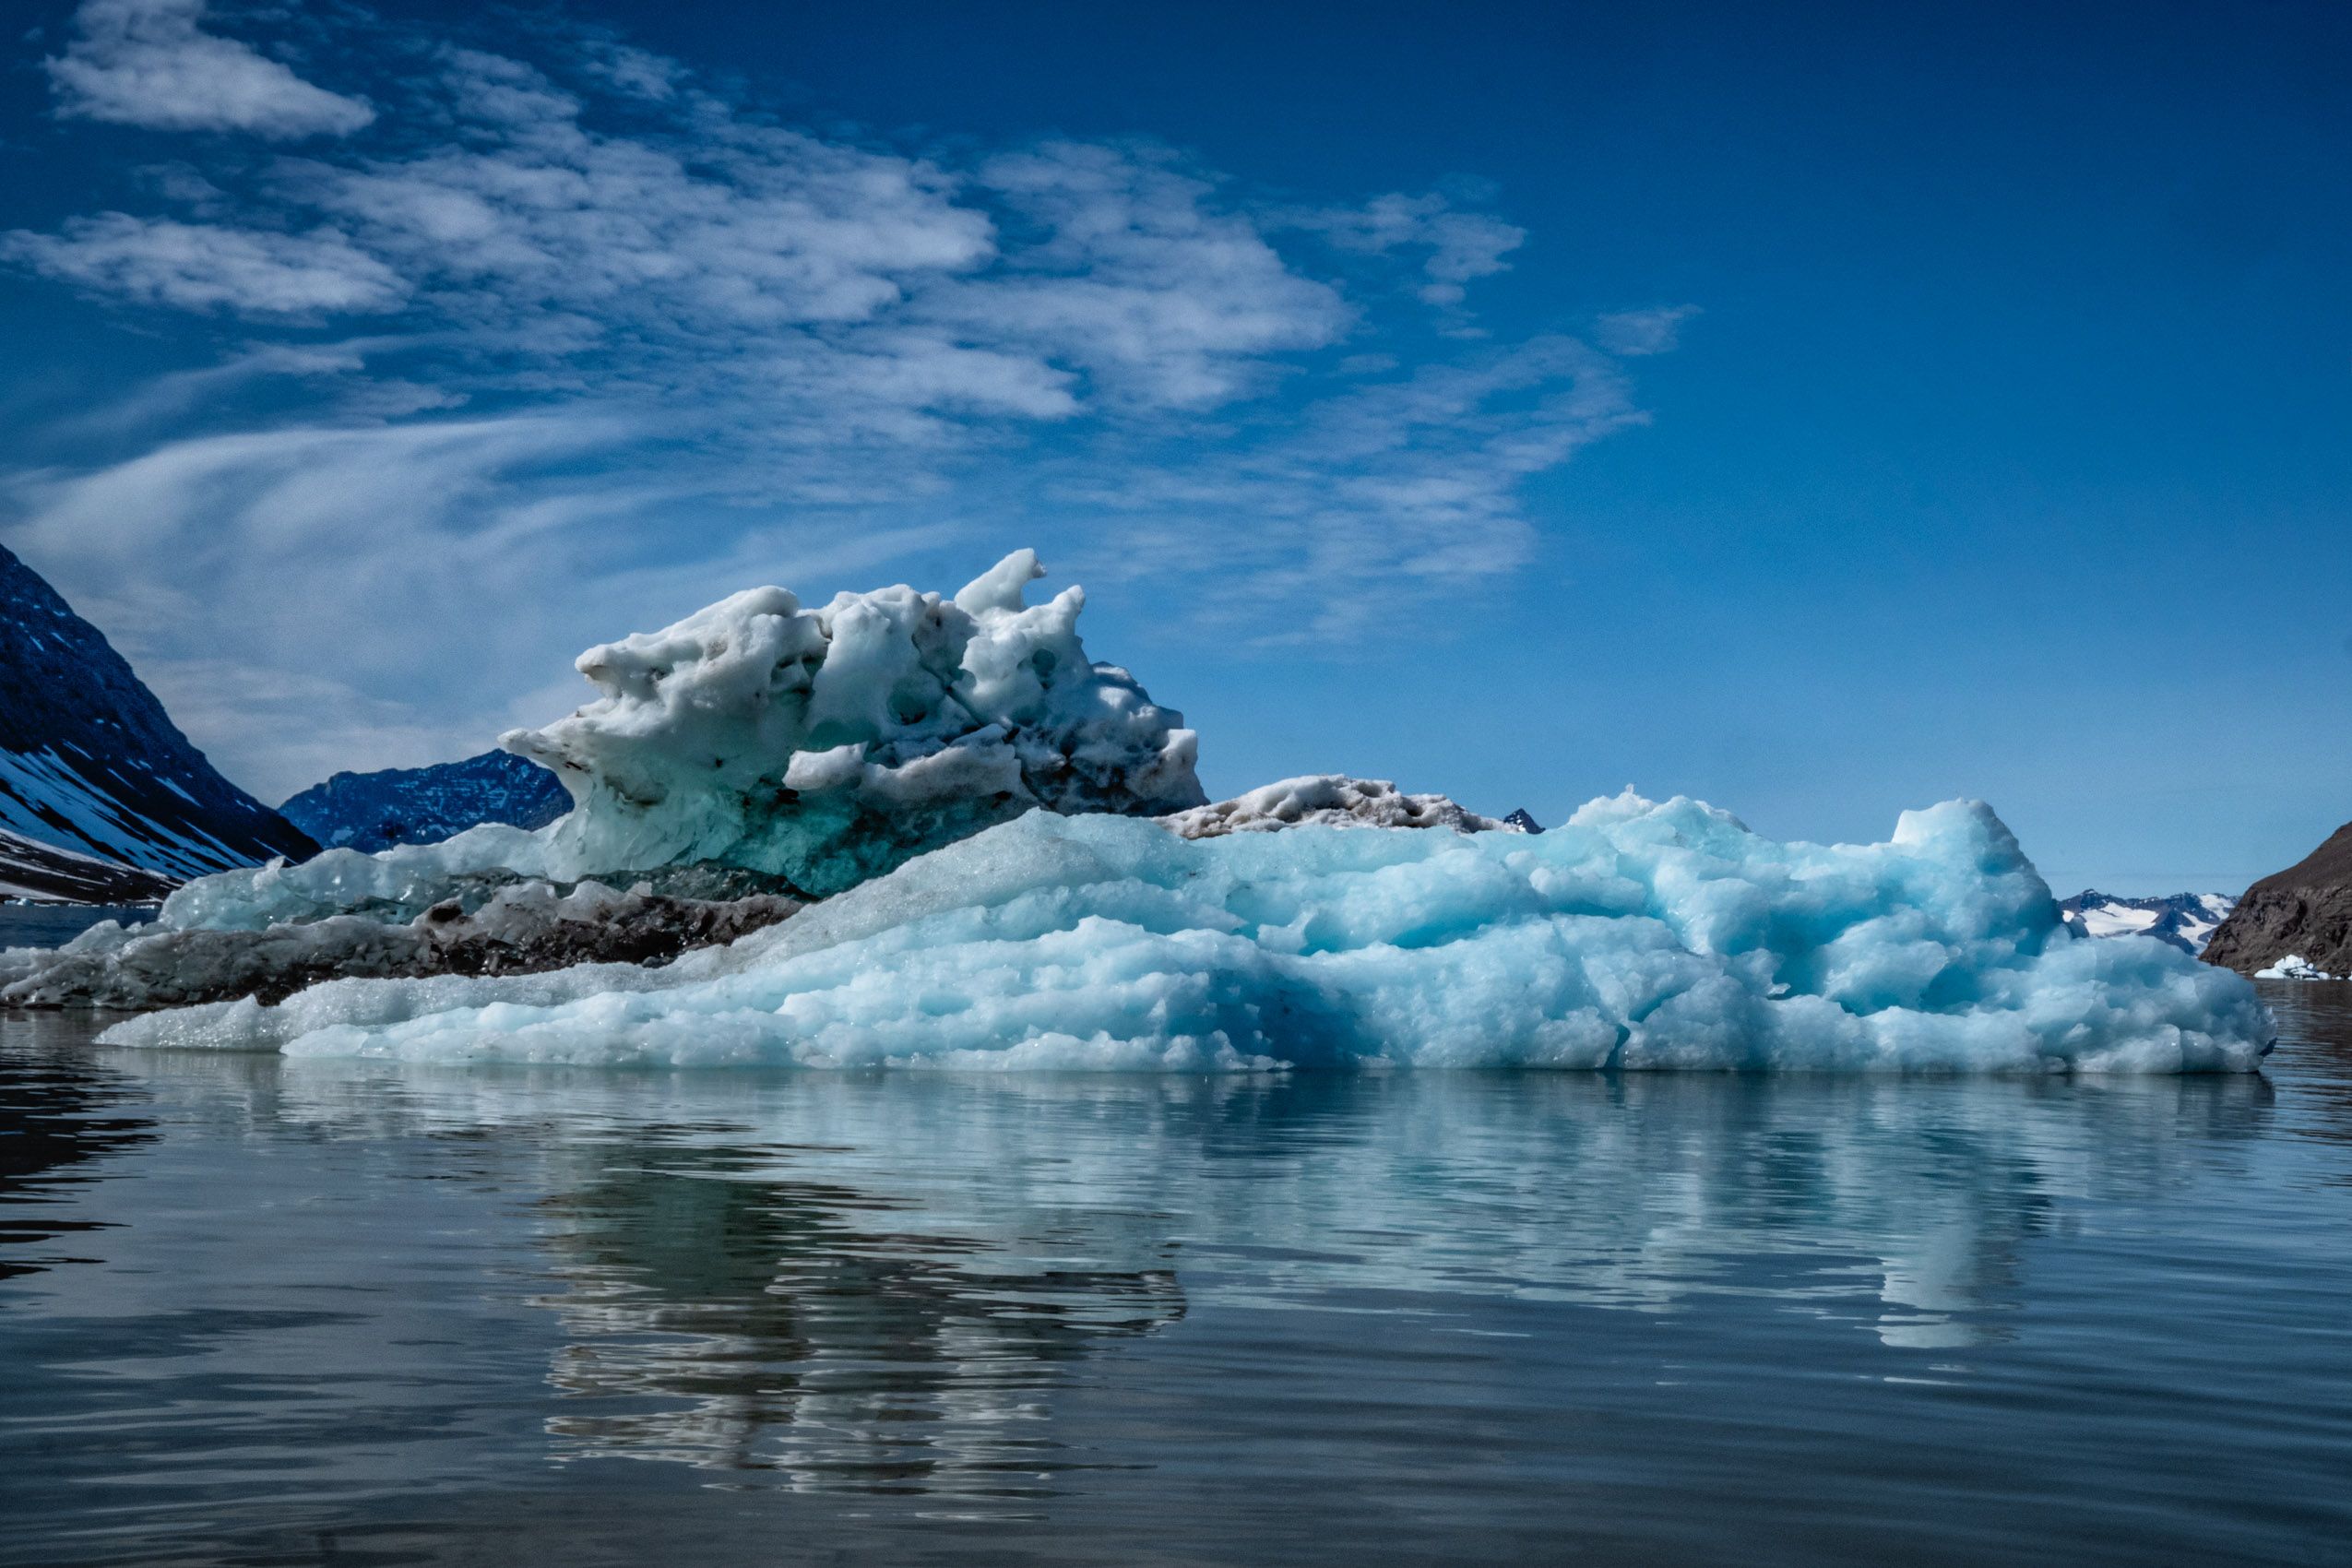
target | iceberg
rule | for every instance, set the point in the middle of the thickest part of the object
(820, 746)
(2294, 967)
(796, 751)
(828, 745)
(1639, 935)
(905, 830)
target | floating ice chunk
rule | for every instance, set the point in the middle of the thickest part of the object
(1327, 800)
(2294, 967)
(396, 885)
(815, 748)
(819, 746)
(827, 745)
(1639, 935)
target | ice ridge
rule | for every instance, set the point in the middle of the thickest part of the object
(1637, 935)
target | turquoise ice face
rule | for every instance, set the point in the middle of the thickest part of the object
(1639, 935)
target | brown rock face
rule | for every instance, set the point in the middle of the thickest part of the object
(527, 928)
(2306, 908)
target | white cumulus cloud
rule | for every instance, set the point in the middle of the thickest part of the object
(147, 63)
(204, 267)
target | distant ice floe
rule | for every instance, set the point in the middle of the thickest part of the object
(2296, 967)
(1328, 800)
(1639, 935)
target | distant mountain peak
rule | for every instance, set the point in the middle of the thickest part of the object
(424, 805)
(101, 797)
(2187, 921)
(1521, 820)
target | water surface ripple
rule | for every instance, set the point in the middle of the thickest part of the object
(256, 1311)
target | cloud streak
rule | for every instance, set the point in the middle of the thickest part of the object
(1456, 247)
(1375, 500)
(565, 340)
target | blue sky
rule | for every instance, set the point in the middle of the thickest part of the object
(1820, 411)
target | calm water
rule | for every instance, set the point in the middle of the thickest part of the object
(264, 1313)
(53, 925)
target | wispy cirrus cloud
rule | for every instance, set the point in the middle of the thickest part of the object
(1374, 500)
(1455, 247)
(402, 582)
(1134, 273)
(569, 326)
(1637, 334)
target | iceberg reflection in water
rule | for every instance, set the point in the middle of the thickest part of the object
(720, 1316)
(1327, 1310)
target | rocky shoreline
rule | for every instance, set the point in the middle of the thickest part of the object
(2304, 911)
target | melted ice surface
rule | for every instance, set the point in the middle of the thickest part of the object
(1639, 935)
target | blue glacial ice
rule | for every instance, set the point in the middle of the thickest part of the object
(823, 746)
(1022, 871)
(793, 749)
(1639, 935)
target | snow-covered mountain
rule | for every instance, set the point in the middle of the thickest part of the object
(31, 869)
(424, 805)
(101, 798)
(2185, 920)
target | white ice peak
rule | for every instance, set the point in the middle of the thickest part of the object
(829, 744)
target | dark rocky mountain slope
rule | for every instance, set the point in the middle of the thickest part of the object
(424, 805)
(31, 869)
(101, 798)
(2305, 910)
